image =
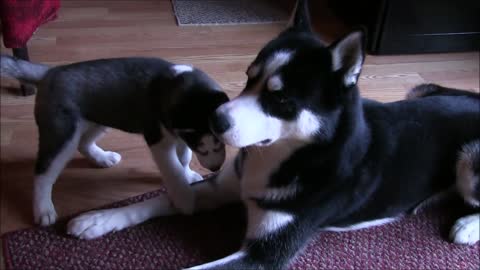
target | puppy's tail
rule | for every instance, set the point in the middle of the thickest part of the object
(22, 70)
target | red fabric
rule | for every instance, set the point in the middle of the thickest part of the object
(414, 242)
(20, 19)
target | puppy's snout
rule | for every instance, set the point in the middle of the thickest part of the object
(220, 123)
(216, 168)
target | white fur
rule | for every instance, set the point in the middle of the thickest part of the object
(275, 83)
(84, 138)
(185, 156)
(235, 256)
(258, 166)
(43, 210)
(466, 179)
(272, 65)
(361, 225)
(245, 131)
(249, 124)
(94, 224)
(466, 230)
(90, 149)
(262, 222)
(306, 125)
(97, 223)
(175, 177)
(215, 152)
(179, 69)
(278, 60)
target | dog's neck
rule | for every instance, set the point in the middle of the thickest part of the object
(352, 136)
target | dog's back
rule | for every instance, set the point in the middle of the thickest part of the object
(103, 91)
(417, 143)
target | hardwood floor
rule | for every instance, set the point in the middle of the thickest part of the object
(99, 29)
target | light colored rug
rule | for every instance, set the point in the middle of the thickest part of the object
(227, 12)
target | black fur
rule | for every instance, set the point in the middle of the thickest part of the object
(130, 94)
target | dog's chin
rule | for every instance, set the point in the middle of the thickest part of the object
(243, 143)
(265, 142)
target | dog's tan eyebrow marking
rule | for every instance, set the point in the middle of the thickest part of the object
(274, 62)
(179, 69)
(253, 71)
(278, 60)
(275, 83)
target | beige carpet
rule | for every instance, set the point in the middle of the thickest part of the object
(228, 12)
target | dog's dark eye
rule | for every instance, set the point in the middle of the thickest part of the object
(280, 98)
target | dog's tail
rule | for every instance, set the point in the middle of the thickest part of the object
(22, 70)
(430, 89)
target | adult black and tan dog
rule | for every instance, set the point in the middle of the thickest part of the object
(316, 156)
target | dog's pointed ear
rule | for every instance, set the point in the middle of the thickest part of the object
(300, 19)
(348, 56)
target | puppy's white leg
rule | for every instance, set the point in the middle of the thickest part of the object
(210, 193)
(466, 230)
(43, 209)
(185, 156)
(176, 181)
(90, 149)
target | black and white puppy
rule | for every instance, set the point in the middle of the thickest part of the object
(169, 104)
(316, 156)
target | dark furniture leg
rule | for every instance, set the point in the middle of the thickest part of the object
(22, 53)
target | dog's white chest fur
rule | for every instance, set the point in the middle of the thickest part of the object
(258, 166)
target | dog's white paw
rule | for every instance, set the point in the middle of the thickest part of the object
(466, 230)
(192, 176)
(96, 223)
(44, 214)
(107, 159)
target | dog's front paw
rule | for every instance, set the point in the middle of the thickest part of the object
(107, 159)
(466, 230)
(95, 224)
(192, 176)
(44, 214)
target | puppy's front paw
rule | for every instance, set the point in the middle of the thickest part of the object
(466, 230)
(192, 176)
(107, 159)
(95, 224)
(44, 214)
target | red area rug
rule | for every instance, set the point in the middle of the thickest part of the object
(415, 242)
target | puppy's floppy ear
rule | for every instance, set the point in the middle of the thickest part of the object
(348, 56)
(300, 19)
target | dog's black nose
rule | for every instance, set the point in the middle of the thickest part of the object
(216, 168)
(219, 123)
